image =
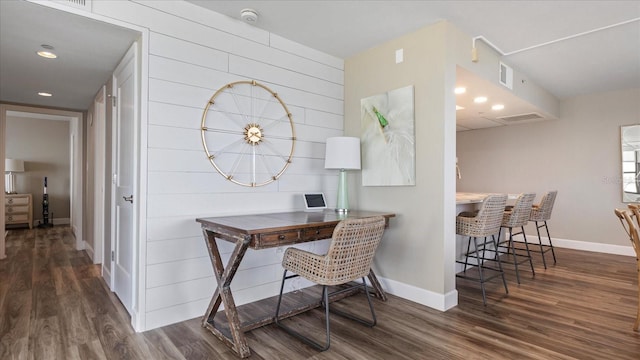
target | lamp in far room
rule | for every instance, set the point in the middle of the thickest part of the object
(342, 153)
(11, 166)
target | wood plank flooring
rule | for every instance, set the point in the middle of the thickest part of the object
(54, 305)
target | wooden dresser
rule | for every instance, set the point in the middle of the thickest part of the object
(18, 209)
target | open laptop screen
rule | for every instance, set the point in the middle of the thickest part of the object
(315, 201)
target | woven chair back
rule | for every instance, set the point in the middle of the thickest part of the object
(542, 212)
(519, 215)
(352, 249)
(488, 220)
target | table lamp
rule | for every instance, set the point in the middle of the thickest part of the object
(11, 166)
(342, 153)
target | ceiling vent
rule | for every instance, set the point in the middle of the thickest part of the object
(79, 4)
(521, 117)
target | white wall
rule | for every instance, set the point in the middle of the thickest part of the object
(192, 53)
(578, 155)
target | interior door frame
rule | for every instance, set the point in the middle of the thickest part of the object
(140, 209)
(76, 136)
(99, 169)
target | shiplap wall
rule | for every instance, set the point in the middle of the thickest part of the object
(192, 53)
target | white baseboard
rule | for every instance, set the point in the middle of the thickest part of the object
(56, 221)
(442, 302)
(89, 250)
(581, 245)
(106, 275)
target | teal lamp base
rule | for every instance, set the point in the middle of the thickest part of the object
(342, 206)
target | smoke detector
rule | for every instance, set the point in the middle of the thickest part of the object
(249, 15)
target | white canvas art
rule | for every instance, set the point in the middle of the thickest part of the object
(388, 139)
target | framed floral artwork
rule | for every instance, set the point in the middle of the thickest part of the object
(388, 138)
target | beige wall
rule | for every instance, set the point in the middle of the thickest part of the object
(578, 155)
(419, 247)
(44, 147)
(415, 251)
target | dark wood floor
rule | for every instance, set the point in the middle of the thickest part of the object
(54, 305)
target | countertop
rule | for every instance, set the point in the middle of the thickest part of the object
(474, 198)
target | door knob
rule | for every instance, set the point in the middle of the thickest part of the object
(128, 198)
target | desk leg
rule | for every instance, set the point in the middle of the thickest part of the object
(376, 286)
(222, 294)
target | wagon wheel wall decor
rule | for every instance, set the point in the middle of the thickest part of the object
(248, 133)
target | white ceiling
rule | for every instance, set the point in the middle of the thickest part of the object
(88, 52)
(600, 61)
(596, 62)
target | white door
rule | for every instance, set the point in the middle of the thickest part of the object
(124, 175)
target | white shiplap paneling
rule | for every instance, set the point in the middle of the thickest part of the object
(168, 47)
(189, 53)
(175, 115)
(293, 47)
(178, 160)
(272, 74)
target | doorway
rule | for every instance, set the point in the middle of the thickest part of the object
(46, 157)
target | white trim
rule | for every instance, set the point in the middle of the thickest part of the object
(581, 245)
(89, 250)
(139, 320)
(442, 302)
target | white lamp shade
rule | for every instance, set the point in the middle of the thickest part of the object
(13, 165)
(342, 152)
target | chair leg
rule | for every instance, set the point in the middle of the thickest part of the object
(306, 340)
(504, 280)
(365, 322)
(466, 259)
(550, 243)
(513, 254)
(636, 325)
(526, 245)
(544, 262)
(484, 295)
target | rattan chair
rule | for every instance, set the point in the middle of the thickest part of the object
(516, 216)
(349, 258)
(540, 213)
(635, 210)
(485, 224)
(632, 230)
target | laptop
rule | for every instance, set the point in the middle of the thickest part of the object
(314, 201)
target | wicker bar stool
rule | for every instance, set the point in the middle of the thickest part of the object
(349, 258)
(540, 213)
(516, 216)
(632, 231)
(485, 224)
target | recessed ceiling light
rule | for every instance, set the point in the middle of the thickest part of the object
(460, 90)
(497, 107)
(47, 52)
(458, 107)
(46, 94)
(480, 100)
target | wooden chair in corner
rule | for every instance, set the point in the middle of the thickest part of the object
(632, 230)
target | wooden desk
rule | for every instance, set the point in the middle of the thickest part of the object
(261, 231)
